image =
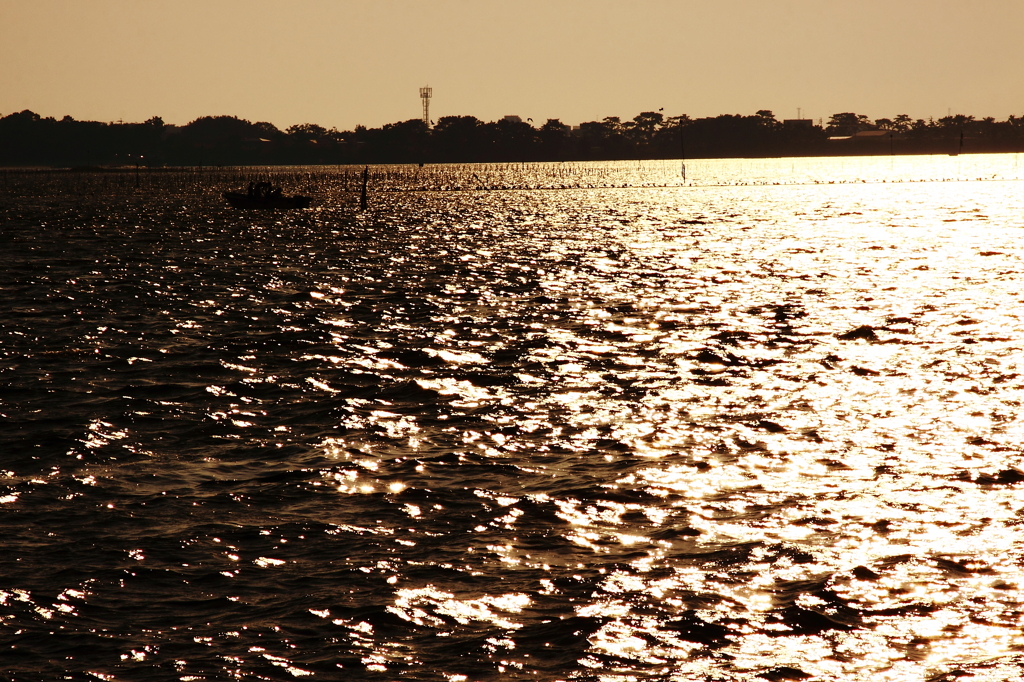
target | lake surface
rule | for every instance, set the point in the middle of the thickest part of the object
(553, 422)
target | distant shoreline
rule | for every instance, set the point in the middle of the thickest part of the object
(29, 140)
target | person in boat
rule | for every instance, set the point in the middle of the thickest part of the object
(251, 190)
(274, 193)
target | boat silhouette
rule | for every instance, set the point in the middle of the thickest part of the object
(263, 195)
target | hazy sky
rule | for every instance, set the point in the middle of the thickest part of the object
(343, 63)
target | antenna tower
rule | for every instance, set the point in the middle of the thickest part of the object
(425, 94)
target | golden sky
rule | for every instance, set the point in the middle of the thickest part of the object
(342, 63)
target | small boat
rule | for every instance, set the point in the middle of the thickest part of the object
(262, 195)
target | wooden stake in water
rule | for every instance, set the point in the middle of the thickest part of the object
(362, 195)
(682, 150)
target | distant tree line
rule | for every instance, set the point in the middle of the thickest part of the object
(27, 139)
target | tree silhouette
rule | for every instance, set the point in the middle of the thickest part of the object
(847, 124)
(26, 138)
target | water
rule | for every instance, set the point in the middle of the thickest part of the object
(765, 425)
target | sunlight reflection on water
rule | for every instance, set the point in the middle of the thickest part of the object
(719, 431)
